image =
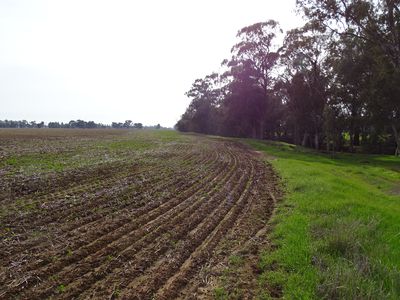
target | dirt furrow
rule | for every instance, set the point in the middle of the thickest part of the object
(147, 235)
(147, 225)
(154, 245)
(192, 264)
(180, 182)
(108, 203)
(91, 196)
(105, 240)
(236, 257)
(145, 288)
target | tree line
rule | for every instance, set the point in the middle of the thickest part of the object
(73, 124)
(331, 84)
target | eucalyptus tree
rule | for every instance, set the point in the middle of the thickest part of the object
(244, 105)
(377, 24)
(201, 114)
(303, 55)
(349, 64)
(251, 70)
(127, 124)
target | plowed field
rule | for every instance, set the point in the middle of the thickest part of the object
(122, 214)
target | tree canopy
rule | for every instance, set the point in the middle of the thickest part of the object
(332, 84)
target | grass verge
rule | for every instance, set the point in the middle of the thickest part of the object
(337, 232)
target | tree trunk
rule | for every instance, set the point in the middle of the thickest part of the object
(296, 135)
(397, 139)
(305, 138)
(352, 133)
(357, 136)
(316, 141)
(351, 146)
(254, 131)
(364, 135)
(261, 130)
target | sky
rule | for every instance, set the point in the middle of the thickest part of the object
(117, 60)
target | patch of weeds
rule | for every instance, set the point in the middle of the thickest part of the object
(271, 284)
(236, 294)
(131, 145)
(53, 277)
(225, 274)
(263, 295)
(344, 238)
(61, 288)
(36, 233)
(25, 206)
(173, 243)
(38, 161)
(109, 257)
(116, 293)
(344, 282)
(220, 294)
(235, 260)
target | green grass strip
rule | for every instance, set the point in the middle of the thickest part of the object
(337, 230)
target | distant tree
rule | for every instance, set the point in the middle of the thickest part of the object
(200, 116)
(138, 125)
(54, 125)
(24, 124)
(91, 124)
(117, 125)
(158, 126)
(127, 124)
(80, 124)
(72, 124)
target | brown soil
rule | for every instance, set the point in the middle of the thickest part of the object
(177, 226)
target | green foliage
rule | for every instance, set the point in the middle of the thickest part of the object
(61, 288)
(333, 83)
(235, 260)
(336, 229)
(220, 294)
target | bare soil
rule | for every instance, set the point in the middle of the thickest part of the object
(176, 221)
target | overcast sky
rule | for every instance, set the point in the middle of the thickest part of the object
(117, 60)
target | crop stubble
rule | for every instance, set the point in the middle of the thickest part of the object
(157, 223)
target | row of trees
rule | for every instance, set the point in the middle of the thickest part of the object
(70, 124)
(20, 124)
(333, 83)
(77, 124)
(127, 124)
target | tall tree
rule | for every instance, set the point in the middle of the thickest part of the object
(200, 116)
(303, 57)
(252, 63)
(349, 63)
(377, 23)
